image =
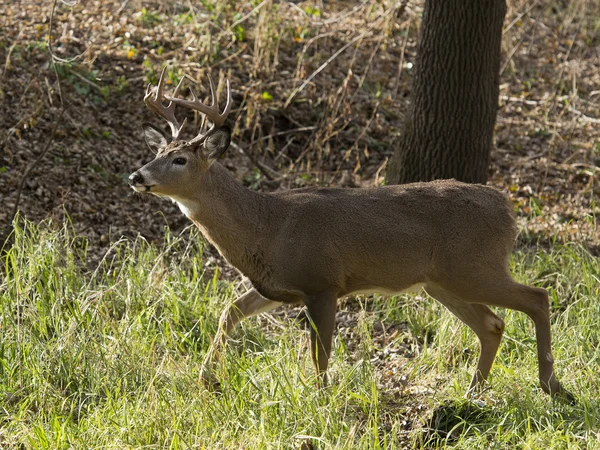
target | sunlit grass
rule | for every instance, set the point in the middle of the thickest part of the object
(109, 357)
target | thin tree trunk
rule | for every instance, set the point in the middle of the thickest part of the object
(449, 129)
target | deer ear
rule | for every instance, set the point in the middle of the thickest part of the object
(218, 142)
(155, 138)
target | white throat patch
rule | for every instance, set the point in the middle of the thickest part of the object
(187, 207)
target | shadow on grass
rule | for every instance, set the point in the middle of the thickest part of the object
(458, 419)
(450, 420)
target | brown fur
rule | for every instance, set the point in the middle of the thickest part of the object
(315, 245)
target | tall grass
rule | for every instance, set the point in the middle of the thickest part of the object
(109, 358)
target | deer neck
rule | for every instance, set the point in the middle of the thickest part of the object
(231, 216)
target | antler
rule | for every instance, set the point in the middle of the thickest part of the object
(212, 111)
(156, 104)
(168, 112)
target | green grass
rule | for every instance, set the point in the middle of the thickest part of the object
(109, 358)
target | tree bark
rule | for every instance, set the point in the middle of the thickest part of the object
(449, 128)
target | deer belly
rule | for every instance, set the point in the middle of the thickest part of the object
(387, 291)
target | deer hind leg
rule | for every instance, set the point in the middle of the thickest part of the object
(504, 292)
(321, 310)
(248, 305)
(535, 303)
(485, 324)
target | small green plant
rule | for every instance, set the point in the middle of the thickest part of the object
(85, 82)
(183, 18)
(121, 83)
(253, 179)
(37, 45)
(238, 31)
(150, 18)
(312, 11)
(150, 71)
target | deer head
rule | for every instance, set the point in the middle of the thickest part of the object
(179, 164)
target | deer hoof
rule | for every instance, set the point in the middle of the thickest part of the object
(565, 396)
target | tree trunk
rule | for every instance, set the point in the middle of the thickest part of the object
(449, 128)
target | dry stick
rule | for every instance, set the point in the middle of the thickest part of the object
(255, 10)
(12, 130)
(512, 53)
(401, 5)
(5, 241)
(7, 62)
(362, 134)
(122, 7)
(368, 67)
(331, 58)
(520, 16)
(269, 173)
(401, 62)
(508, 27)
(84, 79)
(562, 69)
(32, 165)
(281, 133)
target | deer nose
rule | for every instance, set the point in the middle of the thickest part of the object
(135, 178)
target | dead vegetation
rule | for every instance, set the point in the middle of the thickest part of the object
(321, 90)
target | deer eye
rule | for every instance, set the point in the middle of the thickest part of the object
(180, 161)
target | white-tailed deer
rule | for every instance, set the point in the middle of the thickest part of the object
(314, 245)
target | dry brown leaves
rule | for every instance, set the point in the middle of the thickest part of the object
(339, 129)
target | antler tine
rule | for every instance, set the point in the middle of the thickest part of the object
(228, 104)
(155, 104)
(212, 111)
(214, 99)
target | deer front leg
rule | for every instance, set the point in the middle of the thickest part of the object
(321, 310)
(248, 305)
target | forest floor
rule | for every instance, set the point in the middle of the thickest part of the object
(320, 91)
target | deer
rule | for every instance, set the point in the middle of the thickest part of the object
(313, 246)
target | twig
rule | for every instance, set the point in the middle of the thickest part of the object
(281, 133)
(360, 136)
(5, 241)
(84, 79)
(512, 53)
(230, 28)
(54, 57)
(33, 164)
(342, 16)
(331, 58)
(7, 62)
(507, 99)
(255, 10)
(401, 62)
(122, 7)
(221, 61)
(269, 173)
(582, 115)
(516, 19)
(12, 130)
